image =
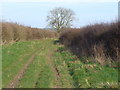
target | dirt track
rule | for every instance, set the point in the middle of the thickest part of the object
(17, 78)
(54, 69)
(42, 69)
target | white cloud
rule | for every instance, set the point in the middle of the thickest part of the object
(60, 0)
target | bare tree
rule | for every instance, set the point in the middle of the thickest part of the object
(59, 18)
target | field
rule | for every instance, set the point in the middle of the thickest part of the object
(44, 64)
(60, 44)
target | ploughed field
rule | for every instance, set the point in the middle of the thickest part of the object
(44, 64)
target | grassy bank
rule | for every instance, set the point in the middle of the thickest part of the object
(89, 74)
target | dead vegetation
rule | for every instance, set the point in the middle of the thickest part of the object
(99, 40)
(13, 32)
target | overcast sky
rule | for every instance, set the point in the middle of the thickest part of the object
(34, 13)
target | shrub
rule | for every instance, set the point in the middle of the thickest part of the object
(98, 39)
(13, 32)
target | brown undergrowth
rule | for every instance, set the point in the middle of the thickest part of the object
(100, 41)
(13, 32)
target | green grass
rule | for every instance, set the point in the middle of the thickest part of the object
(41, 70)
(90, 75)
(65, 78)
(53, 67)
(14, 56)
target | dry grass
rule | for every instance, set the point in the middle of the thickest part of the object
(98, 40)
(13, 32)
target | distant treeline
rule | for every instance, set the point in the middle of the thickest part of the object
(13, 32)
(98, 40)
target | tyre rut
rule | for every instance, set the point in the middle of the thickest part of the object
(20, 74)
